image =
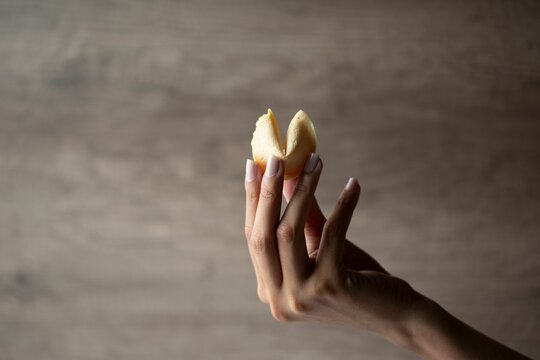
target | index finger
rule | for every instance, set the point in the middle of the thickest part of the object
(263, 234)
(252, 185)
(253, 188)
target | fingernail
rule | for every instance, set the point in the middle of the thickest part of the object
(251, 170)
(351, 183)
(272, 166)
(311, 163)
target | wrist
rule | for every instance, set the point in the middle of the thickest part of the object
(424, 328)
(429, 323)
(433, 333)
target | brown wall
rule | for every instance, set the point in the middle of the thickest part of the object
(124, 128)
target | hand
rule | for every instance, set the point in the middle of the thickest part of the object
(299, 259)
(354, 258)
(307, 270)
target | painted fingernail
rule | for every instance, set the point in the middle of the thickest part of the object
(351, 183)
(311, 163)
(251, 170)
(272, 166)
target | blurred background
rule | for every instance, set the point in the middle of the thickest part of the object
(124, 130)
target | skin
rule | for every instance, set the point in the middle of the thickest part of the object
(307, 270)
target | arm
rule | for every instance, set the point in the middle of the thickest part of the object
(436, 334)
(307, 270)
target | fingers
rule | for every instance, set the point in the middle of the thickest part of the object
(252, 185)
(335, 229)
(263, 234)
(314, 222)
(315, 215)
(290, 232)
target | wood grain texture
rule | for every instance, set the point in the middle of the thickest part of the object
(124, 128)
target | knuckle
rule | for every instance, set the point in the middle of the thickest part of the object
(247, 232)
(261, 294)
(352, 280)
(331, 228)
(343, 201)
(253, 195)
(301, 188)
(404, 292)
(298, 306)
(347, 202)
(278, 312)
(325, 288)
(268, 193)
(285, 233)
(259, 242)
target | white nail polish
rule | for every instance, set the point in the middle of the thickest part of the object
(251, 170)
(350, 184)
(311, 163)
(272, 166)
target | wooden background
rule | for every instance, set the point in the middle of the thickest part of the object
(124, 129)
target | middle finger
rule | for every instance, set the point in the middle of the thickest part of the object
(292, 245)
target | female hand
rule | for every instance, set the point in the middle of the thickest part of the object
(354, 258)
(307, 270)
(299, 257)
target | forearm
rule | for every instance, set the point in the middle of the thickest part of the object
(433, 333)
